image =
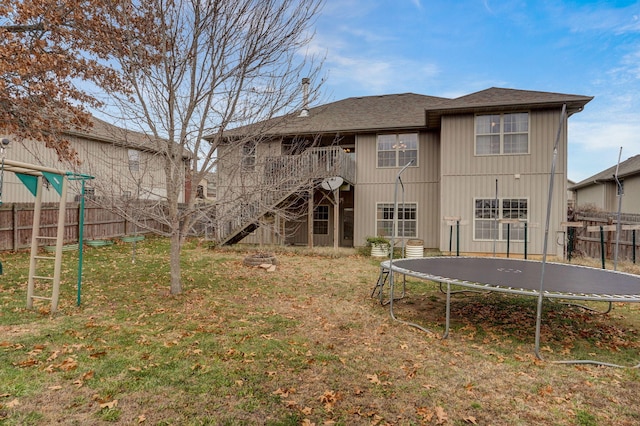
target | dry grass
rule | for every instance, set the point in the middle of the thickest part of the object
(305, 344)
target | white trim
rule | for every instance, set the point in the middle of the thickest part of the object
(501, 134)
(406, 203)
(397, 149)
(500, 218)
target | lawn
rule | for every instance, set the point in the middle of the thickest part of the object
(305, 344)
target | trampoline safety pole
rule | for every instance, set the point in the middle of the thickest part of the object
(633, 251)
(526, 228)
(457, 237)
(545, 243)
(508, 238)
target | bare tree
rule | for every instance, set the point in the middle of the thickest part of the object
(201, 67)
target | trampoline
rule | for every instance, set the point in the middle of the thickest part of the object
(517, 276)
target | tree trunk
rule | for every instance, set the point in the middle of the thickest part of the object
(174, 262)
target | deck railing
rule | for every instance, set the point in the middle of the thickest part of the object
(287, 171)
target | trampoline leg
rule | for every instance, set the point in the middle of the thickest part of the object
(382, 278)
(448, 312)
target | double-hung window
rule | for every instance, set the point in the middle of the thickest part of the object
(407, 220)
(321, 220)
(502, 134)
(500, 219)
(396, 150)
(134, 160)
(249, 157)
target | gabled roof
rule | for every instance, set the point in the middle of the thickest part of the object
(628, 167)
(405, 111)
(353, 115)
(501, 99)
(102, 131)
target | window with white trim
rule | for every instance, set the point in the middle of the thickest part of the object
(321, 220)
(407, 219)
(397, 150)
(502, 134)
(507, 221)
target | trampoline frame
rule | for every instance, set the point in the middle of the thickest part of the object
(392, 267)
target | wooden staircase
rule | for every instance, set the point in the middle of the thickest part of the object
(284, 177)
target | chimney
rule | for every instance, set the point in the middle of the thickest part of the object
(305, 98)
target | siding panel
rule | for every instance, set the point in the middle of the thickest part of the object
(466, 176)
(376, 185)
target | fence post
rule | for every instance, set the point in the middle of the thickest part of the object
(16, 235)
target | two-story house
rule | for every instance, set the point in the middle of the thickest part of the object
(480, 163)
(602, 190)
(125, 164)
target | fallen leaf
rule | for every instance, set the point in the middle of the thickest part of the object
(547, 390)
(307, 411)
(29, 362)
(442, 416)
(110, 404)
(425, 413)
(68, 364)
(470, 419)
(141, 418)
(373, 378)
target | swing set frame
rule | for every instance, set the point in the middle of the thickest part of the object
(33, 176)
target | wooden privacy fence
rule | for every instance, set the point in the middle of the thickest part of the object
(586, 238)
(99, 223)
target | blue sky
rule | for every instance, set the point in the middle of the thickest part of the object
(451, 48)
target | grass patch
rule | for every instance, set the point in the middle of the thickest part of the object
(303, 344)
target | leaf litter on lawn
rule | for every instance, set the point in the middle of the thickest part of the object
(305, 343)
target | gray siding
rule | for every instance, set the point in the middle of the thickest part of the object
(604, 195)
(107, 162)
(631, 200)
(466, 177)
(376, 185)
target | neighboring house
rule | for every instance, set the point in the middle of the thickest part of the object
(482, 160)
(601, 190)
(206, 189)
(571, 196)
(124, 163)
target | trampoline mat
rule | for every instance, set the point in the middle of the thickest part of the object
(524, 274)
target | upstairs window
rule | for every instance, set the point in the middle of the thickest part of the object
(249, 157)
(502, 134)
(397, 150)
(134, 160)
